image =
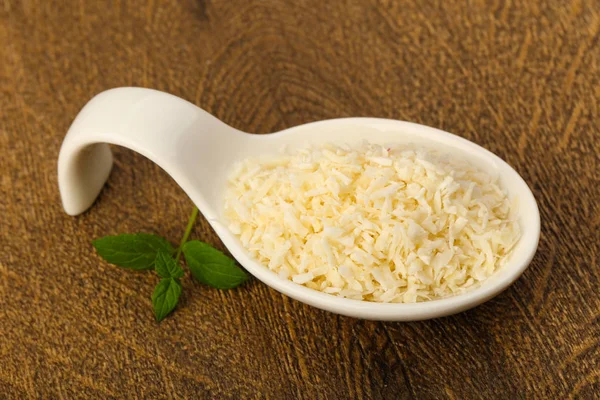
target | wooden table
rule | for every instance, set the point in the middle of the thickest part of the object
(521, 79)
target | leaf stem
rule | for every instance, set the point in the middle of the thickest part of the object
(188, 230)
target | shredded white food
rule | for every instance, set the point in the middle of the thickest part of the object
(370, 222)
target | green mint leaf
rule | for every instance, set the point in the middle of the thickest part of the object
(212, 267)
(166, 266)
(165, 297)
(135, 251)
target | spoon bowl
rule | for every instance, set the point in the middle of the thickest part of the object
(198, 151)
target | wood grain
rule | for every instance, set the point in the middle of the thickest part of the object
(521, 78)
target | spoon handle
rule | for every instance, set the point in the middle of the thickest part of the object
(175, 134)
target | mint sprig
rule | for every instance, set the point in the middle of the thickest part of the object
(212, 267)
(144, 251)
(166, 266)
(165, 297)
(134, 251)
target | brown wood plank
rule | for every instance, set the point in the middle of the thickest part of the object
(520, 78)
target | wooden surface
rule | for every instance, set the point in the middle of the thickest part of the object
(521, 78)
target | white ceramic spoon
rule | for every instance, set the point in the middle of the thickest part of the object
(197, 150)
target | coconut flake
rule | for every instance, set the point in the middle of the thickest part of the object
(367, 222)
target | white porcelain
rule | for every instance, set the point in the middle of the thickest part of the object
(197, 150)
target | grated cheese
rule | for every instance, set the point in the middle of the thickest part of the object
(388, 224)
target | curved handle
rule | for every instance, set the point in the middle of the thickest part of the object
(181, 138)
